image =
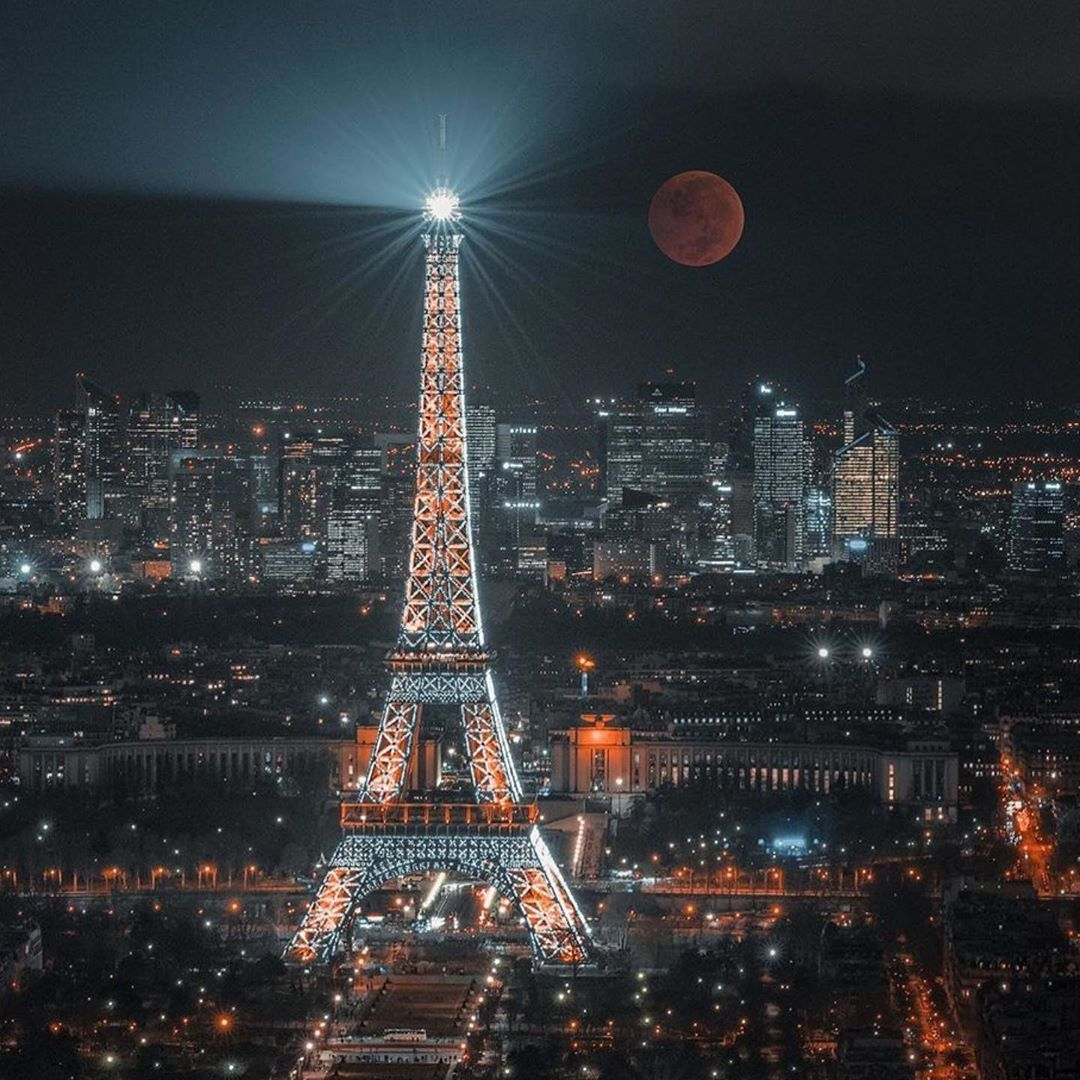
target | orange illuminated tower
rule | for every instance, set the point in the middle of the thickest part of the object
(440, 659)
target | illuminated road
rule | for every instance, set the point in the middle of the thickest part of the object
(770, 883)
(53, 883)
(939, 1051)
(1022, 808)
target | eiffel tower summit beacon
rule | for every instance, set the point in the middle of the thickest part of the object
(440, 660)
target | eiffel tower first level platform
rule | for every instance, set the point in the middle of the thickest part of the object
(440, 658)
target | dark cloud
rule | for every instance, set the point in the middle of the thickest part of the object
(236, 174)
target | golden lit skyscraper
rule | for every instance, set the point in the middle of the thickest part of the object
(866, 485)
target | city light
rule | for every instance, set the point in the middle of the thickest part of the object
(195, 566)
(95, 566)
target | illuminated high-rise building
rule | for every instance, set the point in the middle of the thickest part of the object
(758, 398)
(819, 520)
(515, 502)
(480, 421)
(1036, 528)
(779, 488)
(715, 540)
(866, 485)
(674, 448)
(656, 443)
(265, 489)
(158, 425)
(310, 464)
(398, 492)
(69, 468)
(352, 545)
(210, 504)
(623, 433)
(639, 539)
(352, 541)
(103, 446)
(515, 450)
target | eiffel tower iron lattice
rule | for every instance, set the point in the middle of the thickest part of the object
(440, 658)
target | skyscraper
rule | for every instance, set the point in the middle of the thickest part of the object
(516, 444)
(866, 484)
(69, 468)
(1036, 528)
(673, 439)
(758, 398)
(715, 541)
(779, 488)
(103, 446)
(623, 437)
(516, 503)
(210, 506)
(159, 424)
(352, 545)
(819, 520)
(398, 492)
(310, 465)
(480, 422)
(352, 542)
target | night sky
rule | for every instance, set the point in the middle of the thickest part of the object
(198, 193)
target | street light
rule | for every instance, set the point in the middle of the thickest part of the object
(823, 653)
(195, 566)
(585, 664)
(95, 566)
(867, 652)
(25, 569)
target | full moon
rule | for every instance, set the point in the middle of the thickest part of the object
(696, 218)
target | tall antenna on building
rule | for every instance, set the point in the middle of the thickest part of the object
(443, 175)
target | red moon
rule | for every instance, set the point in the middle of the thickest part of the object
(696, 218)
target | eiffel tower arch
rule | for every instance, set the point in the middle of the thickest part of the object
(440, 659)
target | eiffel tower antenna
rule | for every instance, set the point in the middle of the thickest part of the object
(443, 174)
(440, 658)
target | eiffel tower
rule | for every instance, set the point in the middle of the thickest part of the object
(440, 659)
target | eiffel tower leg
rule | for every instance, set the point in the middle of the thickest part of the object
(388, 769)
(485, 741)
(559, 933)
(317, 939)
